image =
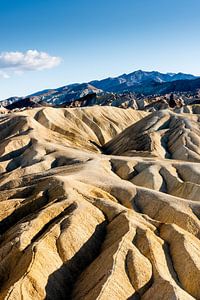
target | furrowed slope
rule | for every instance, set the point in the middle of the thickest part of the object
(163, 134)
(79, 220)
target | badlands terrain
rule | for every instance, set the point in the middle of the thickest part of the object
(100, 203)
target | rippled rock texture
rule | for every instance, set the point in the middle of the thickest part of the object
(99, 203)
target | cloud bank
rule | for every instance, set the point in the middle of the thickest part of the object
(31, 60)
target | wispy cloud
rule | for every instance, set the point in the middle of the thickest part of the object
(4, 75)
(31, 60)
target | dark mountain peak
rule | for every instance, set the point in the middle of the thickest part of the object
(139, 81)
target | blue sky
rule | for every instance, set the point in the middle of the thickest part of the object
(50, 43)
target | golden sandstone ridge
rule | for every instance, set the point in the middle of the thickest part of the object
(99, 203)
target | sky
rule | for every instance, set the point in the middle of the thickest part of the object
(51, 43)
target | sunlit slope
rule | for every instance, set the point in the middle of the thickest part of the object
(99, 203)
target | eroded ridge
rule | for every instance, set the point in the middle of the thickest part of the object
(99, 203)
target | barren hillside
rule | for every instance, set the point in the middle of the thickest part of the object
(99, 203)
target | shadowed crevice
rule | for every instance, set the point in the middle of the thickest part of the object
(60, 283)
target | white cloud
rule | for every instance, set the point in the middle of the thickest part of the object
(4, 75)
(31, 60)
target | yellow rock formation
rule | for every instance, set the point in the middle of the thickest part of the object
(99, 203)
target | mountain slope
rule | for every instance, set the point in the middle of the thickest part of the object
(152, 88)
(136, 79)
(66, 94)
(161, 134)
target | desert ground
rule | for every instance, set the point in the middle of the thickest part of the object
(99, 203)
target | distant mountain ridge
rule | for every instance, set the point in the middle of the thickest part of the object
(140, 82)
(138, 78)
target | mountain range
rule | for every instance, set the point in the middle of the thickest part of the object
(138, 82)
(137, 79)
